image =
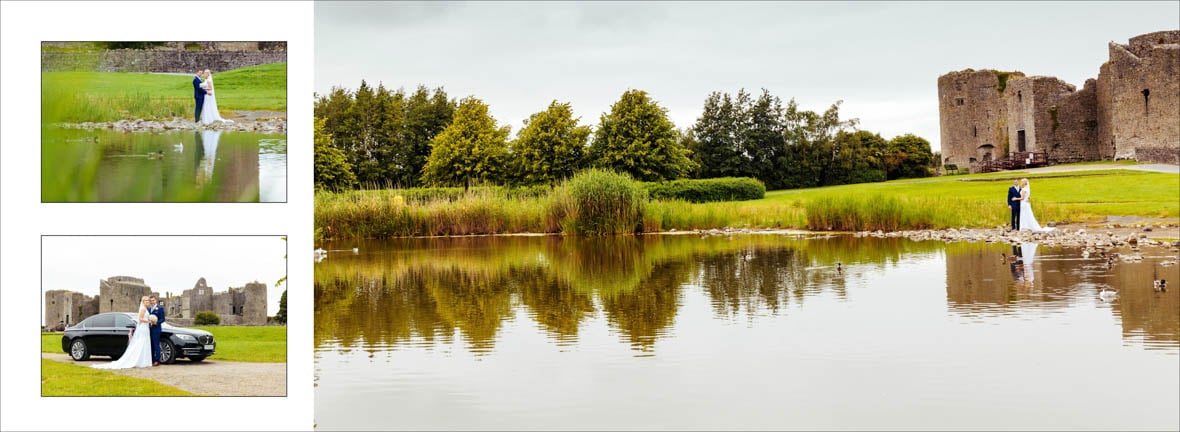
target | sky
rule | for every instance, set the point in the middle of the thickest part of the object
(165, 263)
(881, 59)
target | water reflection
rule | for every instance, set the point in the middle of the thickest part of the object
(550, 332)
(176, 166)
(1057, 280)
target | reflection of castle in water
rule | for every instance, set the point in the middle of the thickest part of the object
(982, 280)
(472, 286)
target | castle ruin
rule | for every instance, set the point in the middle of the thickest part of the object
(236, 306)
(1132, 111)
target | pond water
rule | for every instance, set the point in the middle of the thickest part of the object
(743, 332)
(177, 166)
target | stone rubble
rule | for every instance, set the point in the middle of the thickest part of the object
(271, 125)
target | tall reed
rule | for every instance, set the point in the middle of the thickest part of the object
(597, 202)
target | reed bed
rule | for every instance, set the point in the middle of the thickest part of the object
(616, 208)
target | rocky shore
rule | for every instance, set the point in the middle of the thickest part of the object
(274, 125)
(1094, 240)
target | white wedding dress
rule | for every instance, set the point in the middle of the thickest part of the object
(139, 349)
(1027, 220)
(209, 113)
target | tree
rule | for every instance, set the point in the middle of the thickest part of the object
(908, 156)
(551, 147)
(637, 138)
(281, 315)
(206, 318)
(471, 149)
(717, 152)
(761, 135)
(809, 149)
(858, 158)
(331, 166)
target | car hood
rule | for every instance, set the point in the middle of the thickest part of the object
(184, 330)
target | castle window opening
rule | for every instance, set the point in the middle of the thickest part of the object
(974, 131)
(1019, 97)
(958, 101)
(1020, 141)
(1146, 95)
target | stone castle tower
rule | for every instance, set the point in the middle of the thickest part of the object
(1132, 111)
(121, 294)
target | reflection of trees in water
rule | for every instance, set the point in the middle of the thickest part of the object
(553, 303)
(644, 313)
(473, 284)
(980, 282)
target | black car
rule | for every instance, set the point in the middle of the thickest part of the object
(106, 334)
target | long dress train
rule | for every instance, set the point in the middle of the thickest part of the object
(139, 349)
(1027, 220)
(209, 113)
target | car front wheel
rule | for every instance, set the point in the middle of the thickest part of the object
(78, 350)
(167, 352)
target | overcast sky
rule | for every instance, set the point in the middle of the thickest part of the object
(165, 263)
(882, 59)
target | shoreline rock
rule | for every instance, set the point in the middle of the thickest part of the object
(276, 125)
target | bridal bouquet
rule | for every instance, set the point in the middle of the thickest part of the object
(152, 319)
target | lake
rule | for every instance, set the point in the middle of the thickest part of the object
(760, 331)
(177, 166)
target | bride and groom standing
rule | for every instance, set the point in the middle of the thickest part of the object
(1018, 203)
(143, 345)
(206, 103)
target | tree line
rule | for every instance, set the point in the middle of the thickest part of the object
(376, 137)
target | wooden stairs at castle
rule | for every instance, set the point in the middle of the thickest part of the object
(1016, 160)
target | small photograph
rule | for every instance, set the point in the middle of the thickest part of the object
(163, 121)
(164, 316)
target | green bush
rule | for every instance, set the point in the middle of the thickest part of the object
(708, 190)
(600, 202)
(206, 318)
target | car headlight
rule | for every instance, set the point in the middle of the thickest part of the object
(186, 338)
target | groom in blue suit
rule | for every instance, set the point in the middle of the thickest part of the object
(1014, 203)
(198, 94)
(158, 311)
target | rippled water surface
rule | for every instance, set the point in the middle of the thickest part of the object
(743, 332)
(178, 166)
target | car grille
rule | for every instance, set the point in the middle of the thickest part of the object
(205, 339)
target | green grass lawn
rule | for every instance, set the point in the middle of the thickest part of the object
(108, 96)
(974, 201)
(250, 344)
(64, 379)
(234, 343)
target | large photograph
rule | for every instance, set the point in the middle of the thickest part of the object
(747, 216)
(163, 121)
(164, 316)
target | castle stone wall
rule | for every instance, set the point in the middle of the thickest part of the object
(174, 61)
(973, 119)
(1140, 91)
(121, 294)
(68, 307)
(1132, 111)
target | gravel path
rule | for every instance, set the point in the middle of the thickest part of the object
(1164, 168)
(210, 377)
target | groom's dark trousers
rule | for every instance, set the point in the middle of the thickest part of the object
(199, 95)
(155, 332)
(1014, 205)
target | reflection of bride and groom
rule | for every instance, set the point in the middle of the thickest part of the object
(206, 102)
(1021, 262)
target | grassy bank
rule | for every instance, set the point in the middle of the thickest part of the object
(958, 201)
(234, 343)
(64, 379)
(107, 96)
(250, 344)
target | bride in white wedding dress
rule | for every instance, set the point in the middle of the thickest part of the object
(209, 113)
(139, 349)
(1027, 220)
